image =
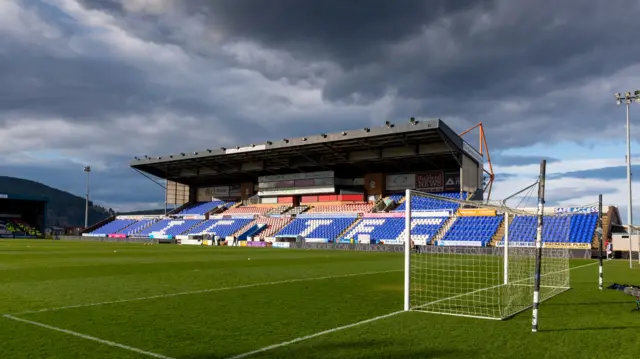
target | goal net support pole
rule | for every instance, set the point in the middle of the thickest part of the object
(506, 248)
(599, 230)
(536, 283)
(407, 251)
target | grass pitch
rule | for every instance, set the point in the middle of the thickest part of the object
(108, 300)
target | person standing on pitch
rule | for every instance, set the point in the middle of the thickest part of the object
(609, 247)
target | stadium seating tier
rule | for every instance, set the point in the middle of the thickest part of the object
(317, 228)
(419, 203)
(201, 208)
(474, 228)
(114, 226)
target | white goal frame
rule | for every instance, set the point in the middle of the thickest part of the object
(505, 275)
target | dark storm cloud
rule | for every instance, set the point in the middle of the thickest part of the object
(606, 173)
(464, 59)
(109, 187)
(155, 80)
(76, 88)
(499, 159)
(564, 194)
(503, 177)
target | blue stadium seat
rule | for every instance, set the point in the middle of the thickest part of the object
(168, 227)
(475, 228)
(136, 227)
(317, 228)
(396, 197)
(575, 228)
(201, 208)
(423, 229)
(220, 227)
(430, 204)
(114, 226)
(386, 229)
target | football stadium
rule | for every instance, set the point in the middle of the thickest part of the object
(370, 243)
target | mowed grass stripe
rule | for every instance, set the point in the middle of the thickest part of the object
(177, 273)
(210, 290)
(223, 324)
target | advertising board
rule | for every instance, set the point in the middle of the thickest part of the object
(280, 245)
(432, 181)
(400, 182)
(452, 181)
(592, 209)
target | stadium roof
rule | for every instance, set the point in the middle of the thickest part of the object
(417, 146)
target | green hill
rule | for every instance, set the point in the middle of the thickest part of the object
(63, 209)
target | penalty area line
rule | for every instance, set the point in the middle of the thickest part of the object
(311, 336)
(88, 337)
(337, 329)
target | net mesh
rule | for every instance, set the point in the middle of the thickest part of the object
(479, 279)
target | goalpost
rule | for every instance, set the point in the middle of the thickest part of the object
(489, 282)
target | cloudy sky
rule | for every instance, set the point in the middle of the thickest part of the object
(99, 81)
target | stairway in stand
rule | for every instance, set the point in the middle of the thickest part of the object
(497, 237)
(443, 230)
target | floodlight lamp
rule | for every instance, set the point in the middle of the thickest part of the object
(159, 157)
(324, 135)
(285, 140)
(304, 138)
(237, 147)
(628, 101)
(269, 143)
(413, 120)
(208, 150)
(618, 102)
(636, 92)
(182, 153)
(637, 99)
(195, 153)
(344, 133)
(366, 129)
(628, 94)
(135, 158)
(222, 148)
(87, 168)
(617, 94)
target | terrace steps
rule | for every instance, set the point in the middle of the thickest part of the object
(497, 237)
(349, 228)
(444, 228)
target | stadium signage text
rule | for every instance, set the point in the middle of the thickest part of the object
(297, 176)
(452, 181)
(296, 191)
(245, 149)
(430, 181)
(280, 245)
(576, 210)
(460, 243)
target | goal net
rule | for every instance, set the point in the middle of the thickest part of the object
(463, 264)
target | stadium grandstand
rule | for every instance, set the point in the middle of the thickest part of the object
(21, 216)
(345, 187)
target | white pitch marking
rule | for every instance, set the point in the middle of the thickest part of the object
(88, 337)
(329, 331)
(205, 291)
(274, 346)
